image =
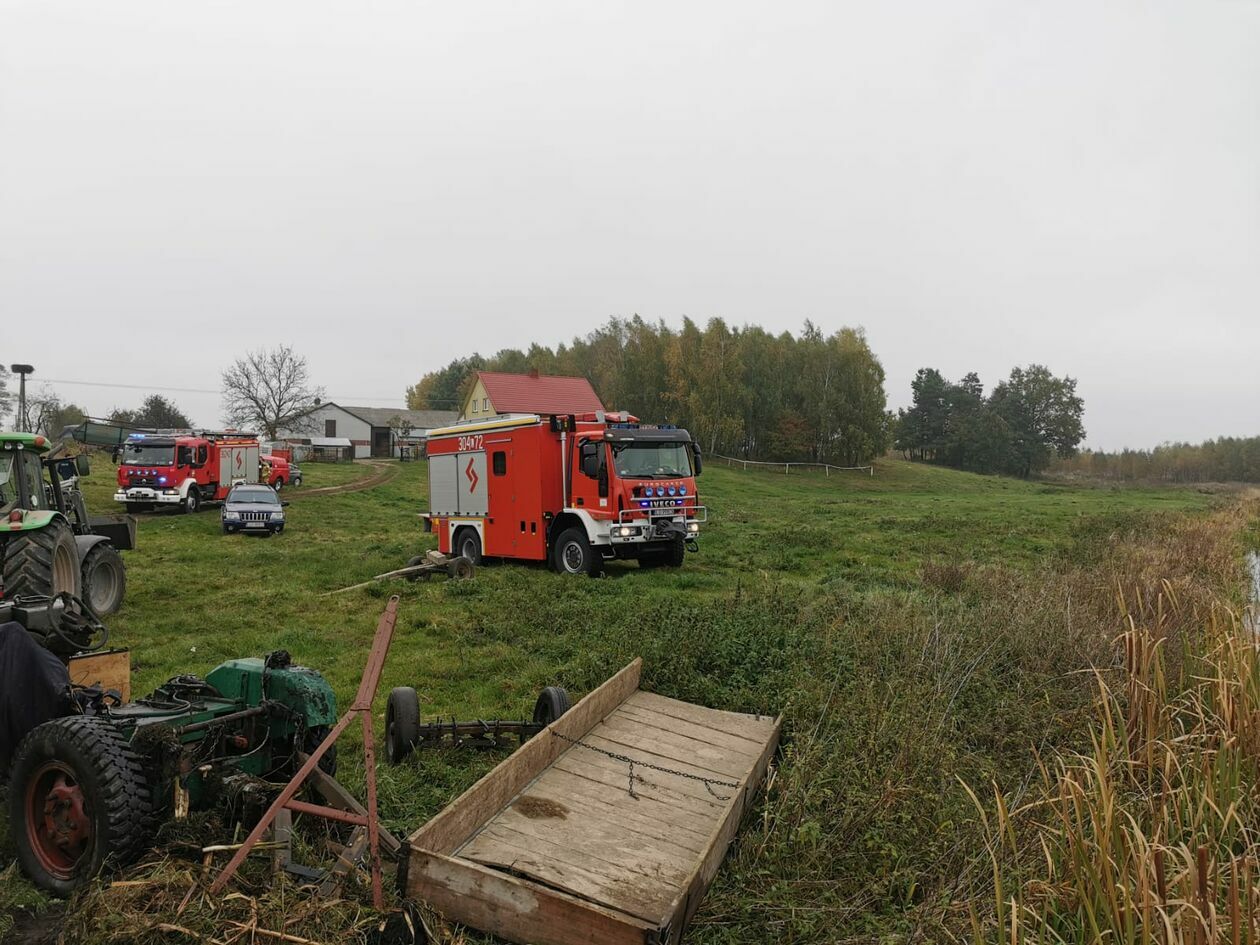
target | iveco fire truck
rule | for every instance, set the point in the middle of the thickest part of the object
(184, 470)
(574, 491)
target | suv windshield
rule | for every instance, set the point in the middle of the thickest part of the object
(139, 455)
(651, 460)
(254, 496)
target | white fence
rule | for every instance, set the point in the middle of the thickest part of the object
(827, 467)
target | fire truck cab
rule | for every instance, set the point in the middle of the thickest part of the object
(183, 470)
(574, 491)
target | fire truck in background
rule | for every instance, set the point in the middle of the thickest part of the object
(186, 470)
(574, 491)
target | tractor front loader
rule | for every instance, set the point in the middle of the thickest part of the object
(48, 543)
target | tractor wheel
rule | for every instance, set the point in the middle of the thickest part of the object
(44, 562)
(193, 502)
(573, 554)
(104, 578)
(78, 802)
(552, 703)
(402, 723)
(468, 545)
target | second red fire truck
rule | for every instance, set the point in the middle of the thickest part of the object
(574, 491)
(186, 470)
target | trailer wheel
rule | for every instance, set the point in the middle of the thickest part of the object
(79, 802)
(418, 575)
(573, 554)
(193, 502)
(468, 545)
(552, 703)
(402, 723)
(42, 563)
(104, 578)
(460, 569)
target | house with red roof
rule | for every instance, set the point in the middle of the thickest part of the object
(494, 393)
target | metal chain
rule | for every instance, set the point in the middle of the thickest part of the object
(631, 762)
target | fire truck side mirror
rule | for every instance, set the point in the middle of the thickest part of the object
(695, 448)
(603, 481)
(590, 459)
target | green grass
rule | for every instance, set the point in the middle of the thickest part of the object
(812, 595)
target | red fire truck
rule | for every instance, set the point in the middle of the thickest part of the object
(571, 490)
(186, 470)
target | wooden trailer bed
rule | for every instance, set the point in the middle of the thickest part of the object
(551, 848)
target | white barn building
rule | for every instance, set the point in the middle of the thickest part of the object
(372, 431)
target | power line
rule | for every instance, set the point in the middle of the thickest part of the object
(184, 390)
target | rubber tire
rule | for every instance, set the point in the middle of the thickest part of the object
(117, 793)
(468, 545)
(278, 484)
(460, 569)
(228, 531)
(419, 575)
(313, 739)
(591, 563)
(676, 555)
(297, 482)
(402, 723)
(552, 703)
(192, 503)
(29, 561)
(105, 556)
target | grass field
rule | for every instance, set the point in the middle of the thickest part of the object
(917, 627)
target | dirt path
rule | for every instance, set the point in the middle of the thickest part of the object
(383, 473)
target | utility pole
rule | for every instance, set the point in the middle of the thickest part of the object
(21, 423)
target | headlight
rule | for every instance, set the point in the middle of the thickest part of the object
(693, 527)
(231, 516)
(277, 516)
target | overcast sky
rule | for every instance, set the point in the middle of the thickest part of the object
(388, 185)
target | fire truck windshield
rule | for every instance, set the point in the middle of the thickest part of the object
(139, 454)
(640, 460)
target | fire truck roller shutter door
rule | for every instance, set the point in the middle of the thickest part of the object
(444, 484)
(472, 483)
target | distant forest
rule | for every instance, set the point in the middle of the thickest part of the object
(740, 391)
(1228, 459)
(1027, 421)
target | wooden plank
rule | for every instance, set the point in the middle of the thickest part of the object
(650, 817)
(604, 839)
(688, 795)
(644, 749)
(733, 723)
(109, 669)
(723, 761)
(445, 832)
(515, 909)
(750, 746)
(635, 892)
(687, 904)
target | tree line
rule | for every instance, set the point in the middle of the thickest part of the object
(740, 391)
(1226, 459)
(1023, 424)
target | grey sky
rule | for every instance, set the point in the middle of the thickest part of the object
(387, 185)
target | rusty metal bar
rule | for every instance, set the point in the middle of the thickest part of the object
(362, 707)
(331, 813)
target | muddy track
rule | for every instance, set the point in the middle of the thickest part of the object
(383, 473)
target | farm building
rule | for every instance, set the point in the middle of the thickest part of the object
(372, 431)
(495, 393)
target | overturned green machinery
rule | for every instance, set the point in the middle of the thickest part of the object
(88, 787)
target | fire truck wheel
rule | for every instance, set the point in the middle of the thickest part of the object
(402, 723)
(573, 554)
(104, 578)
(468, 545)
(79, 801)
(193, 501)
(42, 563)
(552, 703)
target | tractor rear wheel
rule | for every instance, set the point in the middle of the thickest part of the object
(104, 578)
(43, 563)
(78, 802)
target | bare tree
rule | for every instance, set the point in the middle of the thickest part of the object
(269, 390)
(48, 414)
(6, 399)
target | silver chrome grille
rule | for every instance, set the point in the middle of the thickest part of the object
(255, 516)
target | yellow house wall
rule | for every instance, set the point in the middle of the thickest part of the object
(475, 399)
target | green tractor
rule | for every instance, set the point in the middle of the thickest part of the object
(91, 777)
(48, 544)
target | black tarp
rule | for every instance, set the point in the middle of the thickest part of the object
(34, 687)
